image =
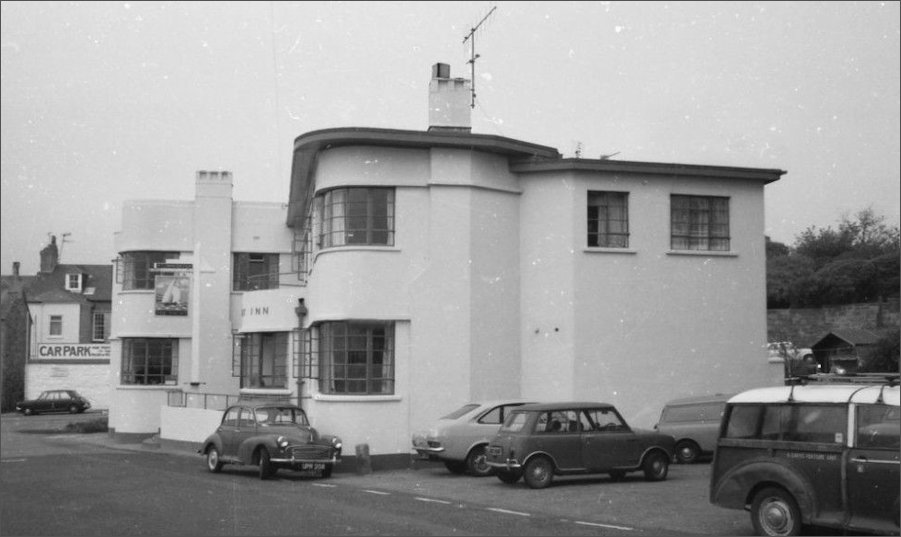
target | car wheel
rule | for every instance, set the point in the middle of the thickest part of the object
(509, 476)
(266, 468)
(539, 472)
(775, 512)
(327, 471)
(687, 452)
(213, 463)
(455, 467)
(617, 475)
(655, 466)
(73, 409)
(477, 462)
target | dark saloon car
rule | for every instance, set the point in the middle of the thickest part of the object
(270, 436)
(537, 442)
(54, 401)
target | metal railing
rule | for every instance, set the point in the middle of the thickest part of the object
(209, 401)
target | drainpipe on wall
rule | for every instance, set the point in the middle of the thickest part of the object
(301, 311)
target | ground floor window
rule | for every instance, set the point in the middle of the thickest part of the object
(149, 361)
(356, 358)
(261, 359)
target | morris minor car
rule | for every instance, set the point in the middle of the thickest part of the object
(270, 436)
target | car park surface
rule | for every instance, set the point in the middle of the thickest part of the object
(540, 441)
(54, 401)
(459, 439)
(270, 436)
(825, 455)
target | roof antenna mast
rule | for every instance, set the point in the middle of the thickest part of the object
(473, 56)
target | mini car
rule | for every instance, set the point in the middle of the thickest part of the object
(824, 455)
(537, 442)
(270, 435)
(459, 439)
(695, 424)
(54, 401)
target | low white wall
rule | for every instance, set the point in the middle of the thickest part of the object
(188, 424)
(90, 380)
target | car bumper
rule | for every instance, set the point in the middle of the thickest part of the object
(509, 464)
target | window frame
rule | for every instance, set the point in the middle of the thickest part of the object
(600, 225)
(263, 278)
(55, 326)
(345, 220)
(136, 267)
(340, 375)
(700, 223)
(249, 348)
(103, 326)
(168, 372)
(76, 285)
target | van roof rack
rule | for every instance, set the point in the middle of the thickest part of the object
(890, 379)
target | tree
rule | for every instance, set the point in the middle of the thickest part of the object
(883, 357)
(858, 262)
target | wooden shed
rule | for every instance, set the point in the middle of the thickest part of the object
(840, 351)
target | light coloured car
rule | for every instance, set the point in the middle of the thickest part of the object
(460, 438)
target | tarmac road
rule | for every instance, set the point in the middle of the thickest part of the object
(676, 506)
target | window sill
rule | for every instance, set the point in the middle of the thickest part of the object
(147, 387)
(265, 391)
(356, 248)
(598, 250)
(702, 253)
(356, 398)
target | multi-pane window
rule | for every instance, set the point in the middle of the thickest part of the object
(356, 216)
(357, 358)
(262, 359)
(699, 223)
(100, 330)
(255, 271)
(608, 219)
(73, 282)
(149, 361)
(56, 325)
(135, 268)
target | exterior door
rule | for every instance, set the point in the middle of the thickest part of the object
(607, 442)
(873, 469)
(229, 432)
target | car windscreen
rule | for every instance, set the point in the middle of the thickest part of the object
(465, 409)
(280, 416)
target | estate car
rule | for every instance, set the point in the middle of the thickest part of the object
(821, 455)
(537, 442)
(460, 438)
(270, 436)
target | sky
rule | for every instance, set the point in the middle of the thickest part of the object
(110, 101)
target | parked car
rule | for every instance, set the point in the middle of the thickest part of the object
(270, 436)
(695, 424)
(537, 442)
(460, 438)
(54, 401)
(823, 455)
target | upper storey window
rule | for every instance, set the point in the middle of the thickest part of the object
(699, 223)
(356, 216)
(608, 219)
(134, 270)
(255, 271)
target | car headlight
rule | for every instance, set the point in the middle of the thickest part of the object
(336, 442)
(282, 442)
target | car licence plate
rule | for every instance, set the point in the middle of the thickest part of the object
(312, 466)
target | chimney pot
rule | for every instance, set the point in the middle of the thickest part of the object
(16, 266)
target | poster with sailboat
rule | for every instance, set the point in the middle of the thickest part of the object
(172, 293)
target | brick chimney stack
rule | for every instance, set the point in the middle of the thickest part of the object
(50, 256)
